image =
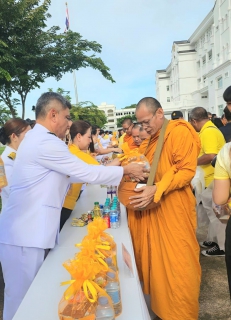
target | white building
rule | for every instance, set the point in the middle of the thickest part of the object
(200, 67)
(112, 114)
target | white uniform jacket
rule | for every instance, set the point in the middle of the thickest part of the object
(40, 180)
(8, 165)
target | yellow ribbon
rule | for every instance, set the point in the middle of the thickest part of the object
(88, 286)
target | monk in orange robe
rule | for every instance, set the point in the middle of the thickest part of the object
(127, 127)
(164, 238)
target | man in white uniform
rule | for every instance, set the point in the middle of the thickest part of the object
(42, 172)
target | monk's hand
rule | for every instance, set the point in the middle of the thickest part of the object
(135, 171)
(144, 196)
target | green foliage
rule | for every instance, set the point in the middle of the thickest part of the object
(65, 94)
(5, 115)
(87, 111)
(30, 53)
(1, 150)
(120, 120)
(131, 106)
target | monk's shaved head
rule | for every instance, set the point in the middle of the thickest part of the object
(150, 103)
(198, 114)
(136, 126)
(127, 121)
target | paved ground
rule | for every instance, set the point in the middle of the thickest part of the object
(214, 297)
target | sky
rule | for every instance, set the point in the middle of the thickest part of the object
(136, 38)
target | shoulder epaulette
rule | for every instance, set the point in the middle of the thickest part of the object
(12, 155)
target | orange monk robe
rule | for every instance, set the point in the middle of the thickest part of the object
(130, 142)
(164, 238)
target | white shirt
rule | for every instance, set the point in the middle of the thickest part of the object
(40, 180)
(8, 165)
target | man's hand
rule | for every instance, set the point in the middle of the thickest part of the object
(114, 162)
(136, 171)
(118, 150)
(144, 196)
(205, 159)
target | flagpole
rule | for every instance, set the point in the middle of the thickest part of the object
(74, 76)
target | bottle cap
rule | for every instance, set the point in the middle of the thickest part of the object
(96, 203)
(103, 300)
(108, 261)
(111, 275)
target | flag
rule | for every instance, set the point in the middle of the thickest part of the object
(67, 22)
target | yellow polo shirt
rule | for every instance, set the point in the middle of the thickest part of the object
(75, 188)
(212, 140)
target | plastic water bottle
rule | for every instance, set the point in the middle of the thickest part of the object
(109, 192)
(104, 311)
(113, 290)
(96, 210)
(114, 192)
(114, 218)
(110, 264)
(101, 209)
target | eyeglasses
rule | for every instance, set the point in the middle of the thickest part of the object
(125, 129)
(146, 123)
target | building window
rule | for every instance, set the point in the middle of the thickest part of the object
(220, 109)
(204, 97)
(204, 60)
(198, 64)
(204, 79)
(111, 120)
(227, 74)
(219, 83)
(210, 54)
(167, 88)
(211, 82)
(168, 99)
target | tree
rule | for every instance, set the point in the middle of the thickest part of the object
(30, 54)
(131, 106)
(65, 94)
(5, 115)
(87, 111)
(120, 120)
(4, 56)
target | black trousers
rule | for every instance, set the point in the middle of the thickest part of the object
(65, 214)
(228, 252)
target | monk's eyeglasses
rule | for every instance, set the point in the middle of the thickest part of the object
(125, 129)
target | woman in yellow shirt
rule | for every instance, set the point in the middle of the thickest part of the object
(221, 196)
(80, 133)
(81, 137)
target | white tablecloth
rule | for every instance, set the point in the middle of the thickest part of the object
(41, 300)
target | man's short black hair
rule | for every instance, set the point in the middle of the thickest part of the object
(227, 113)
(227, 95)
(42, 105)
(198, 114)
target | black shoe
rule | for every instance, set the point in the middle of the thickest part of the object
(213, 252)
(207, 244)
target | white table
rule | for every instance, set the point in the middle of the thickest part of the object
(42, 299)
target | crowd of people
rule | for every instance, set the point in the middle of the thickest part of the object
(47, 166)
